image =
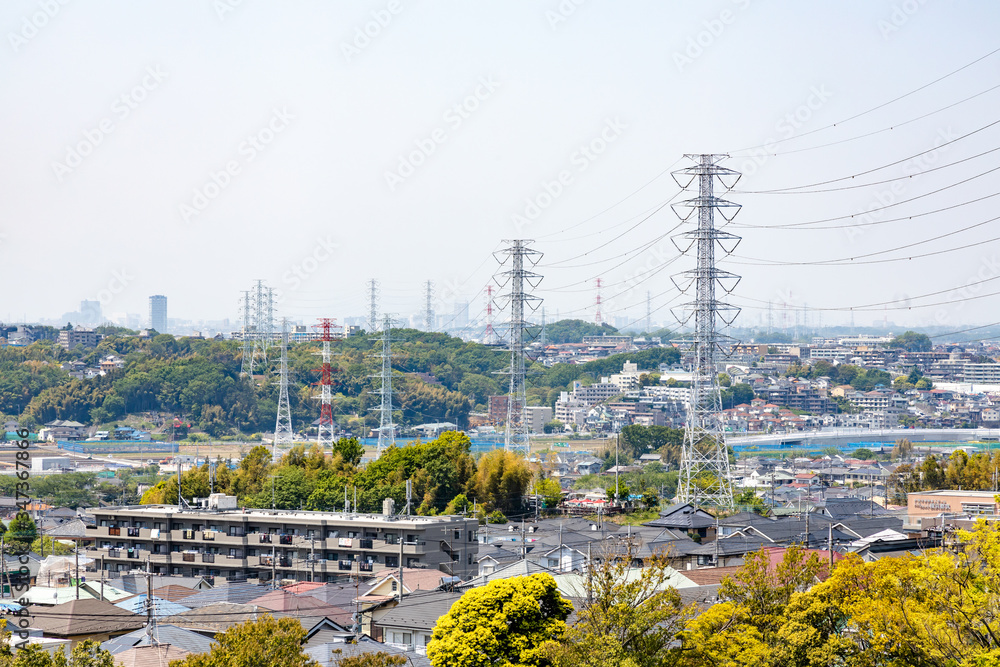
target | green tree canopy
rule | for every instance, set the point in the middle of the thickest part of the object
(261, 643)
(505, 623)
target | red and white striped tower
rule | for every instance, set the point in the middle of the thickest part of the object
(324, 435)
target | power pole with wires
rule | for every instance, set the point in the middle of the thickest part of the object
(517, 253)
(705, 476)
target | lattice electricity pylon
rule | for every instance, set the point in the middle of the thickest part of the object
(324, 429)
(386, 427)
(246, 368)
(704, 476)
(489, 335)
(283, 424)
(263, 323)
(517, 252)
(429, 308)
(373, 293)
(598, 319)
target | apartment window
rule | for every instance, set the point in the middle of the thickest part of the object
(175, 526)
(392, 561)
(458, 534)
(251, 552)
(332, 533)
(158, 525)
(352, 534)
(472, 536)
(234, 553)
(412, 562)
(234, 531)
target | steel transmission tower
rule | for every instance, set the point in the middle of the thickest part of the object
(263, 310)
(704, 475)
(517, 253)
(373, 292)
(429, 310)
(283, 423)
(386, 428)
(489, 336)
(597, 315)
(248, 337)
(324, 429)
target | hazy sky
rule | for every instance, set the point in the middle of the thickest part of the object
(187, 148)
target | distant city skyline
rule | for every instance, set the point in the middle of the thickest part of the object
(170, 149)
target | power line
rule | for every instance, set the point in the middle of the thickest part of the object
(875, 108)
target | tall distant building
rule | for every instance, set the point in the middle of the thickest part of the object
(90, 312)
(158, 313)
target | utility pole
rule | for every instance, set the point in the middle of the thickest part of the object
(704, 454)
(518, 252)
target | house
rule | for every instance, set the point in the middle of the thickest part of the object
(494, 556)
(80, 620)
(408, 625)
(181, 638)
(686, 517)
(59, 429)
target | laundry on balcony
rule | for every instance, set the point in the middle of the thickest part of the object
(285, 539)
(188, 534)
(265, 538)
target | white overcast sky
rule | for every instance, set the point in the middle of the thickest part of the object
(91, 214)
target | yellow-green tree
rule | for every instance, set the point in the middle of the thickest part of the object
(745, 628)
(503, 624)
(261, 643)
(501, 480)
(631, 620)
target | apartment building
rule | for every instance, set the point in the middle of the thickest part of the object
(225, 541)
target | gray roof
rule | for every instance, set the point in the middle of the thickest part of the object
(419, 610)
(235, 593)
(165, 634)
(136, 583)
(335, 595)
(684, 516)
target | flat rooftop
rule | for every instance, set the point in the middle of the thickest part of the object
(945, 492)
(288, 515)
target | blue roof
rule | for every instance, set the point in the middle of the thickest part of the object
(161, 607)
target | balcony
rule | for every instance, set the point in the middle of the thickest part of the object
(115, 532)
(208, 535)
(188, 557)
(265, 538)
(132, 532)
(187, 534)
(208, 558)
